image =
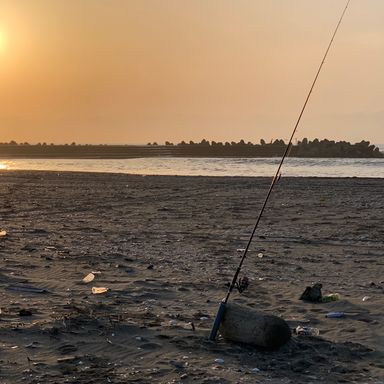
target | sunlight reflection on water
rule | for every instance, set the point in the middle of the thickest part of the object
(208, 166)
(5, 165)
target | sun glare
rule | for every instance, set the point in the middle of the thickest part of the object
(4, 165)
(2, 41)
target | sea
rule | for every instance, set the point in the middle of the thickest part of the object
(250, 167)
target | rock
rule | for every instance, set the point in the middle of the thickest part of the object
(25, 312)
(312, 293)
(244, 325)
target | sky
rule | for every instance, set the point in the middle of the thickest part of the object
(138, 71)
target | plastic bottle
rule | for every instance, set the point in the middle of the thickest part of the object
(335, 315)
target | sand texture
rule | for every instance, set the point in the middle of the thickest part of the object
(165, 247)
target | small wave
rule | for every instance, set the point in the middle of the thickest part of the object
(253, 167)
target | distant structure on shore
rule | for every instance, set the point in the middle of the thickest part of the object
(305, 148)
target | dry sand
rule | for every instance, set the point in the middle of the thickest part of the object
(166, 247)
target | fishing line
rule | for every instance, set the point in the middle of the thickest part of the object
(220, 312)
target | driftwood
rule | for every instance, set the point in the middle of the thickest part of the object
(244, 325)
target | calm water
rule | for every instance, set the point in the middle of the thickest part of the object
(208, 166)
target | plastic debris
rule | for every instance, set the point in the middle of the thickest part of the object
(3, 233)
(312, 294)
(178, 324)
(99, 290)
(88, 278)
(366, 298)
(306, 331)
(260, 255)
(335, 315)
(66, 359)
(255, 370)
(330, 297)
(219, 361)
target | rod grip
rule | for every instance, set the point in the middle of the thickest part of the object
(217, 322)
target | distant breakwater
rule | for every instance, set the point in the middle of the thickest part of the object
(240, 150)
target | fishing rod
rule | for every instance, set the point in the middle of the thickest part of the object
(276, 177)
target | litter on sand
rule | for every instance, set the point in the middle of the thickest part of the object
(99, 290)
(88, 278)
(335, 315)
(330, 297)
(3, 233)
(306, 331)
(312, 294)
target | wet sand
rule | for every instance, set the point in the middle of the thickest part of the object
(165, 248)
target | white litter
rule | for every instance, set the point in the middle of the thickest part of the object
(98, 290)
(88, 278)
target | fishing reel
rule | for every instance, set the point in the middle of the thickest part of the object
(241, 285)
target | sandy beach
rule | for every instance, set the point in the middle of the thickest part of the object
(165, 247)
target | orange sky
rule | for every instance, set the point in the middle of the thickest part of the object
(133, 71)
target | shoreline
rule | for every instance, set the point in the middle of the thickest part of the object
(333, 168)
(56, 172)
(165, 247)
